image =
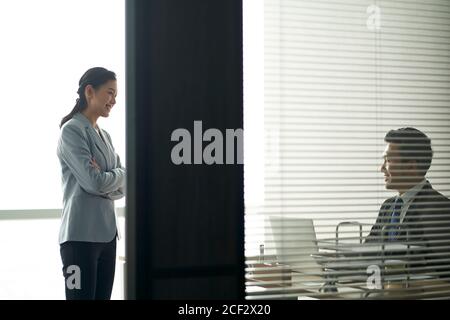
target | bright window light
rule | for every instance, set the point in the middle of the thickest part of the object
(46, 47)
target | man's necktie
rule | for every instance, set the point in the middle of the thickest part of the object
(395, 219)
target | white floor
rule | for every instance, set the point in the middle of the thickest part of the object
(30, 264)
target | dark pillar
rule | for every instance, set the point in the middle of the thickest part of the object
(185, 224)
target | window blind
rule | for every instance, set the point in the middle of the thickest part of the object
(338, 75)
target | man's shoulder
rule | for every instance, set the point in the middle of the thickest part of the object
(441, 196)
(428, 192)
(430, 198)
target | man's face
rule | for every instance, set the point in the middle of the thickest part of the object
(397, 174)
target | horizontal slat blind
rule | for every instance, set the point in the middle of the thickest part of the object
(335, 83)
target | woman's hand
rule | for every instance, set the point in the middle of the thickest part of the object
(94, 164)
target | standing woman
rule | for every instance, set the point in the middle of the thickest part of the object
(92, 178)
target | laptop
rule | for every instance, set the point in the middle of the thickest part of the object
(294, 244)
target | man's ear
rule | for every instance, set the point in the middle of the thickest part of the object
(411, 165)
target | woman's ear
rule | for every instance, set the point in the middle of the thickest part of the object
(89, 92)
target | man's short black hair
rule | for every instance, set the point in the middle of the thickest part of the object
(414, 145)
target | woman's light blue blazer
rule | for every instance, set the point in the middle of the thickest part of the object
(88, 193)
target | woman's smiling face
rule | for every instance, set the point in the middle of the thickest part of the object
(103, 99)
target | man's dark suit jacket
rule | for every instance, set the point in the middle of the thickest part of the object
(426, 224)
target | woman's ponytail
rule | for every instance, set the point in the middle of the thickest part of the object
(75, 110)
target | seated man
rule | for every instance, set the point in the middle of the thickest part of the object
(419, 215)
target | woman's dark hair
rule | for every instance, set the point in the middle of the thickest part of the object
(95, 77)
(413, 145)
